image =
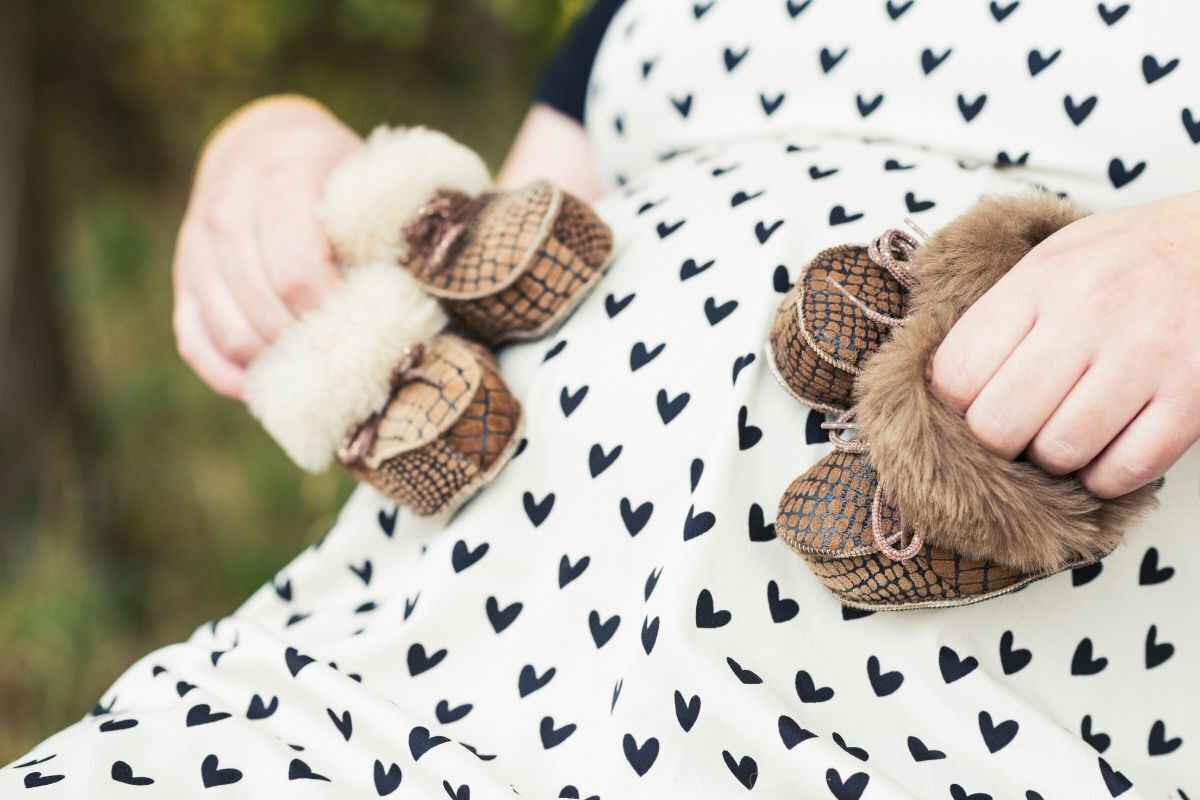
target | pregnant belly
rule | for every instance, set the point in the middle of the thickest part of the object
(658, 445)
(708, 242)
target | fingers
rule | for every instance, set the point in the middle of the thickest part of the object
(1081, 354)
(200, 353)
(235, 254)
(980, 342)
(210, 335)
(1143, 452)
(1025, 391)
(1104, 401)
(251, 256)
(225, 322)
(236, 269)
(297, 258)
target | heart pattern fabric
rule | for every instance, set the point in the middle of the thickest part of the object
(1099, 99)
(615, 616)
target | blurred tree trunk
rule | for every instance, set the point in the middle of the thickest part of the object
(15, 98)
(38, 452)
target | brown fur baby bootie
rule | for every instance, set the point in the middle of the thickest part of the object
(505, 265)
(841, 309)
(911, 511)
(370, 377)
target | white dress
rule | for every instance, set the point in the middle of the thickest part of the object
(614, 617)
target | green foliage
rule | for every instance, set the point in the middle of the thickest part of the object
(173, 505)
(394, 24)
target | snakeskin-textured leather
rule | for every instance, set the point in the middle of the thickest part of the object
(440, 440)
(806, 377)
(832, 325)
(528, 257)
(820, 339)
(825, 516)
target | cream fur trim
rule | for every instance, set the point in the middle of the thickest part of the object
(330, 370)
(371, 194)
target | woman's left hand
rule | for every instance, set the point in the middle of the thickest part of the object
(1086, 355)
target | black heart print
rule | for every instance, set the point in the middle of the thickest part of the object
(640, 756)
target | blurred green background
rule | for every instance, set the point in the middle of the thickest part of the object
(134, 503)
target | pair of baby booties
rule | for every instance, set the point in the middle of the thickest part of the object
(393, 376)
(912, 512)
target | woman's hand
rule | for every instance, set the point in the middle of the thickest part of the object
(1086, 356)
(251, 255)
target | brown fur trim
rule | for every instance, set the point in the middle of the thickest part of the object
(962, 497)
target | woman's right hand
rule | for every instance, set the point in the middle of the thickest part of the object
(251, 255)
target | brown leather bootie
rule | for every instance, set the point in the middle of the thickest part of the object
(841, 309)
(508, 265)
(448, 427)
(911, 511)
(505, 266)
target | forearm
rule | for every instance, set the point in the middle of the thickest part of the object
(554, 147)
